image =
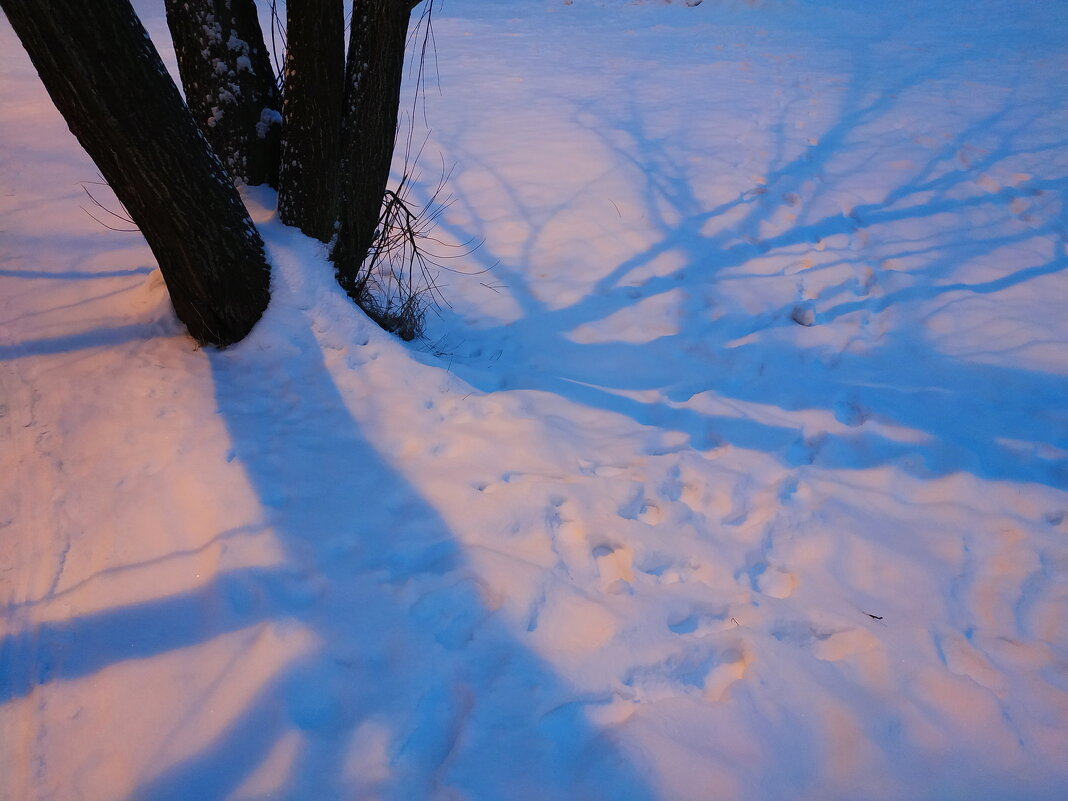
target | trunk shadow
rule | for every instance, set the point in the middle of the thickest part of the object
(415, 688)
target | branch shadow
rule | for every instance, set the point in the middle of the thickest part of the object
(83, 340)
(995, 422)
(75, 275)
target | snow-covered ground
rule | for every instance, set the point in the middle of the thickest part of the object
(737, 469)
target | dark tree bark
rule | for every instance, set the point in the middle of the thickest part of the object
(313, 93)
(373, 74)
(229, 84)
(108, 82)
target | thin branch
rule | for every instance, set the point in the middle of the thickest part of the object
(122, 217)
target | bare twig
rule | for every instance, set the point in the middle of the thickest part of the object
(399, 280)
(124, 217)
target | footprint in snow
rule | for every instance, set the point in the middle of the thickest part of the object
(732, 663)
(665, 568)
(453, 613)
(826, 644)
(700, 620)
(567, 536)
(775, 582)
(804, 314)
(804, 450)
(640, 508)
(707, 670)
(741, 503)
(615, 568)
(849, 412)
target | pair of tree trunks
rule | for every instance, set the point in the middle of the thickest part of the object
(172, 166)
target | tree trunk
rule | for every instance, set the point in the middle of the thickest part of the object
(108, 82)
(313, 94)
(374, 70)
(229, 84)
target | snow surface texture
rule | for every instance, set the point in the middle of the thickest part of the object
(741, 474)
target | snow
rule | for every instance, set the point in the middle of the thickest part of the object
(737, 467)
(268, 117)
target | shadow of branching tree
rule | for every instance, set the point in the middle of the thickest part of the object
(864, 279)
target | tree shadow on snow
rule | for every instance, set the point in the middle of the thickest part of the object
(415, 688)
(995, 422)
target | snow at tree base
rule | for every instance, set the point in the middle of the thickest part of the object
(736, 469)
